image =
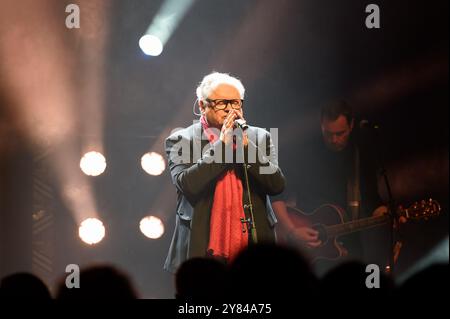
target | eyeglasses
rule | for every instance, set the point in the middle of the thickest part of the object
(222, 104)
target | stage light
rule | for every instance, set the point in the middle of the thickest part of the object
(151, 45)
(163, 25)
(153, 163)
(91, 231)
(93, 163)
(152, 227)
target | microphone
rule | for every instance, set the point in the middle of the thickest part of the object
(241, 124)
(365, 124)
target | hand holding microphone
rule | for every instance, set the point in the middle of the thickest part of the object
(233, 120)
(242, 124)
(240, 121)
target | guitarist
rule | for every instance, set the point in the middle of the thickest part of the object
(336, 170)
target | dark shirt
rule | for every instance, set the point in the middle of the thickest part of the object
(319, 176)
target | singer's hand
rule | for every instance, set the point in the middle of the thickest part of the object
(244, 134)
(226, 133)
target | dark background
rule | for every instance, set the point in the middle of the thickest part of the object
(292, 57)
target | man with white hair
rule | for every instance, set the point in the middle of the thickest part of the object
(222, 205)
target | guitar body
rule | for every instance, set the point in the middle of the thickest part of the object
(325, 215)
(329, 220)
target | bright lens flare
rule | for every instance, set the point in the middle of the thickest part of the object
(91, 231)
(93, 163)
(152, 227)
(151, 45)
(153, 163)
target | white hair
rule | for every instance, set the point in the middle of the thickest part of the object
(211, 81)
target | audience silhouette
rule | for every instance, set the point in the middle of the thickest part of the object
(201, 279)
(262, 273)
(23, 285)
(99, 282)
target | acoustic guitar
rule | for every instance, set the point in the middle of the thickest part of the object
(329, 221)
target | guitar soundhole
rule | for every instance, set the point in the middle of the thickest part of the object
(322, 233)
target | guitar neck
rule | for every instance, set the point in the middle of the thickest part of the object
(356, 225)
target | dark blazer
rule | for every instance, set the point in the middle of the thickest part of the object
(195, 166)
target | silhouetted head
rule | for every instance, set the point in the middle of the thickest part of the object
(201, 279)
(99, 282)
(267, 271)
(24, 285)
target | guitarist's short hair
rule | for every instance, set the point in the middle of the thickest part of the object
(332, 110)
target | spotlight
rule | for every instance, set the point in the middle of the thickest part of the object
(151, 45)
(93, 163)
(153, 163)
(152, 227)
(91, 231)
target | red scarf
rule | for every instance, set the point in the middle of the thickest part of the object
(226, 238)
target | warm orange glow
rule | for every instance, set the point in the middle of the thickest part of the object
(153, 163)
(152, 227)
(93, 163)
(91, 231)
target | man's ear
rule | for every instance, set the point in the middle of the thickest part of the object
(352, 124)
(201, 106)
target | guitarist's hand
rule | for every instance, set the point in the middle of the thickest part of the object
(382, 210)
(307, 235)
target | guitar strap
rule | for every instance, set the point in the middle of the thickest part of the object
(353, 187)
